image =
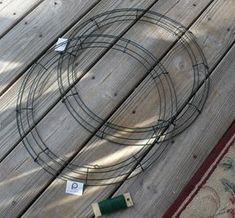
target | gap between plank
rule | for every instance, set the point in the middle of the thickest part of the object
(20, 19)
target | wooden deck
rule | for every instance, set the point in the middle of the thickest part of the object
(28, 28)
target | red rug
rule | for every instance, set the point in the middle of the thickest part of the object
(211, 191)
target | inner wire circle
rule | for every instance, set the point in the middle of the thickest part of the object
(108, 130)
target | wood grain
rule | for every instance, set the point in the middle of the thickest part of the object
(54, 191)
(44, 26)
(32, 193)
(10, 138)
(24, 173)
(161, 184)
(12, 12)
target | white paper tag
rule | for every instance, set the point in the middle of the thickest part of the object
(75, 188)
(61, 44)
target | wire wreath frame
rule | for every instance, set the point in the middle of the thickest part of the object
(152, 140)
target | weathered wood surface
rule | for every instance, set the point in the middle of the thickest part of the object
(165, 179)
(22, 181)
(12, 12)
(9, 137)
(56, 188)
(33, 34)
(161, 184)
(101, 6)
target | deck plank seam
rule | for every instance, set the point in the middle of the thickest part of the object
(21, 18)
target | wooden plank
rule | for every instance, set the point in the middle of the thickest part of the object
(8, 133)
(8, 101)
(4, 4)
(9, 139)
(42, 28)
(57, 190)
(18, 199)
(13, 11)
(161, 184)
(30, 195)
